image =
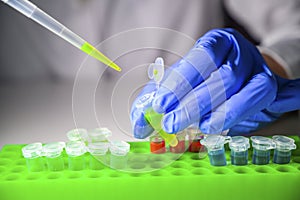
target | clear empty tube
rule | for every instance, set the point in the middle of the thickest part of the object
(76, 151)
(53, 154)
(118, 154)
(32, 153)
(98, 156)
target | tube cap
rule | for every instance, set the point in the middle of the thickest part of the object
(239, 143)
(53, 149)
(283, 142)
(119, 148)
(215, 141)
(33, 150)
(75, 148)
(262, 143)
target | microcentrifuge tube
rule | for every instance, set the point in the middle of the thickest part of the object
(194, 137)
(98, 156)
(118, 154)
(261, 149)
(156, 73)
(157, 144)
(53, 155)
(282, 152)
(180, 147)
(239, 146)
(99, 135)
(32, 153)
(75, 151)
(215, 147)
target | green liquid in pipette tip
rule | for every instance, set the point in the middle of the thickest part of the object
(92, 51)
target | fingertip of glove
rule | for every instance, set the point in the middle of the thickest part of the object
(156, 105)
(141, 132)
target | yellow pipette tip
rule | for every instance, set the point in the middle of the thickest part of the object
(92, 51)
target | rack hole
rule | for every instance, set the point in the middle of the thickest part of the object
(54, 176)
(262, 170)
(199, 164)
(12, 177)
(157, 158)
(178, 165)
(18, 169)
(74, 175)
(284, 169)
(179, 172)
(33, 177)
(94, 175)
(157, 165)
(221, 171)
(20, 162)
(241, 170)
(138, 158)
(157, 173)
(200, 172)
(5, 161)
(137, 166)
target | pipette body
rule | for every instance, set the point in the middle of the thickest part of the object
(33, 12)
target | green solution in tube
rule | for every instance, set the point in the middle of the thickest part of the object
(154, 119)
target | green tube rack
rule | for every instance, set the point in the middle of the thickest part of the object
(185, 178)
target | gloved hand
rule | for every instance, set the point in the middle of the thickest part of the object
(287, 99)
(221, 82)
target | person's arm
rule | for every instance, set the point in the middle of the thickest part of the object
(276, 24)
(275, 66)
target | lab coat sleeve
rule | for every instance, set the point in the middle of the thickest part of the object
(276, 24)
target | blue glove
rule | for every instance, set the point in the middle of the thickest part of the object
(220, 83)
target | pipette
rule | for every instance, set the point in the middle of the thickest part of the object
(33, 12)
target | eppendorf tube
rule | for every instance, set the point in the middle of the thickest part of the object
(180, 147)
(261, 149)
(239, 146)
(98, 156)
(282, 152)
(194, 137)
(76, 151)
(154, 119)
(99, 135)
(215, 147)
(78, 134)
(53, 155)
(33, 155)
(157, 144)
(118, 154)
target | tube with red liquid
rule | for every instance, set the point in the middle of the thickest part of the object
(157, 144)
